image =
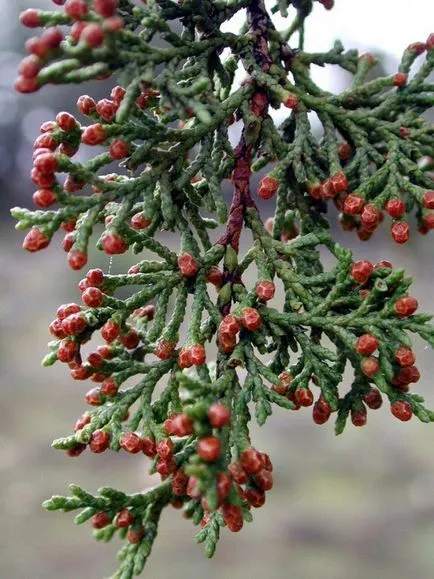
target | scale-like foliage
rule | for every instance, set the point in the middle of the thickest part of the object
(166, 127)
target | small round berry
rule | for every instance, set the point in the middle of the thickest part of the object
(82, 422)
(339, 182)
(359, 417)
(181, 425)
(345, 151)
(395, 207)
(105, 8)
(95, 277)
(94, 397)
(124, 519)
(184, 360)
(164, 349)
(259, 103)
(370, 367)
(67, 351)
(227, 342)
(304, 396)
(406, 306)
(106, 109)
(252, 461)
(117, 94)
(37, 46)
(45, 141)
(209, 448)
(44, 197)
(215, 276)
(193, 490)
(291, 102)
(233, 517)
(86, 105)
(366, 345)
(46, 163)
(327, 190)
(42, 180)
(238, 473)
(131, 442)
(93, 135)
(321, 411)
(74, 324)
(179, 482)
(370, 217)
(66, 310)
(112, 244)
(218, 415)
(165, 448)
(77, 259)
(140, 221)
(92, 297)
(52, 37)
(99, 441)
(35, 240)
(285, 378)
(404, 356)
(30, 18)
(255, 497)
(353, 204)
(76, 450)
(66, 121)
(118, 149)
(383, 264)
(373, 399)
(135, 535)
(100, 520)
(223, 484)
(314, 190)
(148, 447)
(114, 24)
(361, 270)
(428, 199)
(417, 47)
(428, 221)
(93, 35)
(76, 30)
(264, 480)
(265, 290)
(408, 375)
(110, 331)
(197, 354)
(229, 326)
(251, 319)
(56, 329)
(29, 67)
(402, 410)
(109, 387)
(187, 265)
(76, 9)
(400, 79)
(130, 340)
(268, 187)
(400, 232)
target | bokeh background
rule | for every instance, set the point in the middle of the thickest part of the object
(357, 506)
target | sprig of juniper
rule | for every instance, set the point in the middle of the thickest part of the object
(166, 126)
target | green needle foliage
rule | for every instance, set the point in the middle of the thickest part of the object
(164, 155)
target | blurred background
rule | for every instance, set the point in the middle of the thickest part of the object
(357, 506)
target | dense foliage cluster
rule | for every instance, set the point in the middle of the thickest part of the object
(163, 154)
